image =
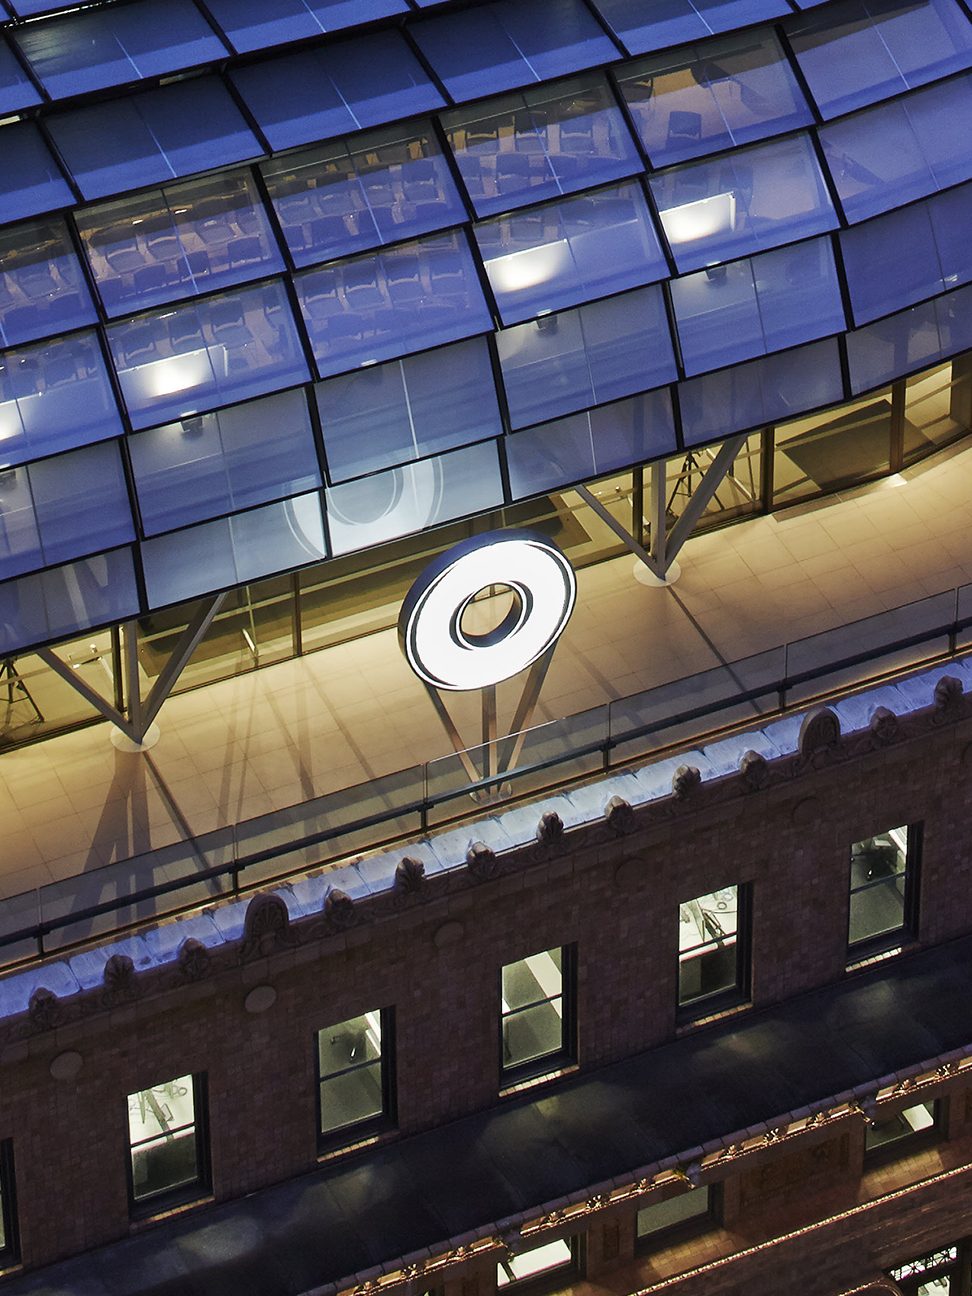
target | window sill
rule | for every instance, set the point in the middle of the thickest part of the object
(151, 1217)
(863, 961)
(325, 1155)
(514, 1087)
(684, 1025)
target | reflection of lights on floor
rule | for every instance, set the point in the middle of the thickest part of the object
(700, 219)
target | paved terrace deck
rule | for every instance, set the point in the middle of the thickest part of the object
(344, 715)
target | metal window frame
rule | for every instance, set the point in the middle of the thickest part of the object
(703, 1005)
(158, 1202)
(908, 930)
(355, 1132)
(566, 1053)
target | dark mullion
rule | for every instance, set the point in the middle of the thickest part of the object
(426, 66)
(441, 137)
(247, 114)
(32, 77)
(790, 55)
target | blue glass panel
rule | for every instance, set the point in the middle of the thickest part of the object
(388, 303)
(886, 156)
(755, 198)
(540, 143)
(899, 344)
(179, 241)
(73, 504)
(414, 497)
(218, 463)
(350, 195)
(26, 8)
(112, 46)
(642, 28)
(152, 137)
(16, 89)
(329, 91)
(768, 390)
(891, 262)
(423, 405)
(564, 252)
(591, 444)
(949, 214)
(207, 353)
(864, 50)
(701, 98)
(587, 356)
(42, 290)
(729, 313)
(56, 604)
(30, 180)
(255, 24)
(54, 396)
(508, 44)
(233, 550)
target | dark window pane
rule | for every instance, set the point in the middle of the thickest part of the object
(423, 405)
(378, 306)
(58, 603)
(702, 98)
(350, 1098)
(16, 88)
(219, 463)
(540, 143)
(891, 262)
(864, 50)
(207, 353)
(233, 550)
(561, 253)
(413, 497)
(669, 22)
(661, 1216)
(349, 195)
(255, 24)
(887, 156)
(121, 43)
(54, 396)
(590, 445)
(329, 91)
(30, 179)
(756, 198)
(179, 241)
(586, 356)
(152, 137)
(732, 312)
(508, 44)
(42, 290)
(909, 340)
(763, 391)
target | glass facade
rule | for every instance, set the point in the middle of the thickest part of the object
(526, 246)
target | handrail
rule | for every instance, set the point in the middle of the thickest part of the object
(414, 810)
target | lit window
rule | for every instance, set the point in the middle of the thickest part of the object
(354, 1077)
(907, 1127)
(711, 939)
(537, 1029)
(688, 1211)
(554, 1261)
(936, 1274)
(166, 1142)
(883, 890)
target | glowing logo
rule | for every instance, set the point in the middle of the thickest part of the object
(430, 625)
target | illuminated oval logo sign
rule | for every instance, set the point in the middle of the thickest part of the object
(430, 625)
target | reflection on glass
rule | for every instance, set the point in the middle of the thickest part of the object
(390, 504)
(547, 1258)
(390, 413)
(30, 180)
(507, 44)
(162, 1138)
(532, 1008)
(61, 601)
(208, 353)
(41, 287)
(376, 188)
(850, 443)
(54, 395)
(863, 50)
(910, 339)
(177, 242)
(382, 304)
(16, 88)
(708, 953)
(660, 1216)
(642, 28)
(928, 1265)
(540, 142)
(702, 98)
(938, 407)
(350, 1072)
(221, 462)
(758, 197)
(878, 883)
(563, 252)
(255, 24)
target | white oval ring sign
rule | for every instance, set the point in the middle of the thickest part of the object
(430, 624)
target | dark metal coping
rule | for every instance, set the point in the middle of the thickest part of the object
(391, 1201)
